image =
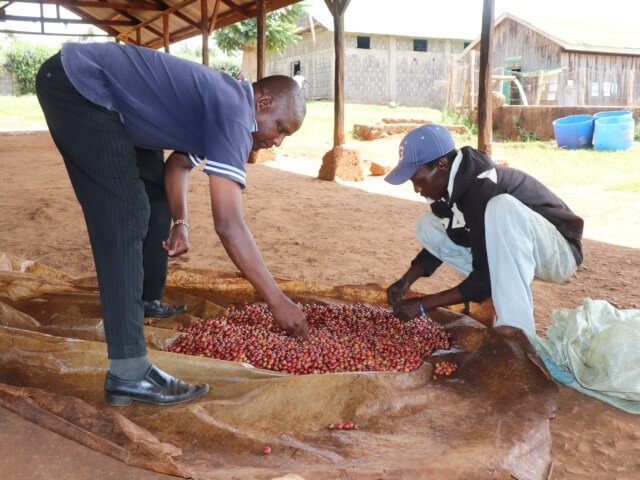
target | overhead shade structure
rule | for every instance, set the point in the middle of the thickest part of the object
(142, 22)
(153, 24)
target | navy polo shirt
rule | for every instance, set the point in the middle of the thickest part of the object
(168, 103)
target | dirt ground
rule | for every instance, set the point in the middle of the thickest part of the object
(332, 232)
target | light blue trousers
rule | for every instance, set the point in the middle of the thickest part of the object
(521, 245)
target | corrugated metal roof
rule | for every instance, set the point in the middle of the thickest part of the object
(582, 35)
(585, 35)
(408, 18)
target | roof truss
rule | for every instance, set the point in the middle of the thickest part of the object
(151, 23)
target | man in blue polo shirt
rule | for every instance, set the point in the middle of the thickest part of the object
(112, 110)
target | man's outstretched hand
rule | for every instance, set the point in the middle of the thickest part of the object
(407, 309)
(396, 291)
(178, 242)
(290, 318)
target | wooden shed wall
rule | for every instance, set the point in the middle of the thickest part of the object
(585, 78)
(602, 79)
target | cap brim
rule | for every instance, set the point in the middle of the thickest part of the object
(400, 174)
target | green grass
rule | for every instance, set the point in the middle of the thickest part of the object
(612, 171)
(20, 112)
(609, 170)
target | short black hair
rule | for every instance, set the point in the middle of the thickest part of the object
(450, 155)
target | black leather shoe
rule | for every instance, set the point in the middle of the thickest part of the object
(154, 308)
(156, 387)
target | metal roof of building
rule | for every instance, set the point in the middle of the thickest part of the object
(408, 18)
(581, 35)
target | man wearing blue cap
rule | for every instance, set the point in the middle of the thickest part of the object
(496, 225)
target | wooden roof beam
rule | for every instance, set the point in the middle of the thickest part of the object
(133, 20)
(96, 4)
(214, 17)
(238, 9)
(75, 21)
(148, 21)
(165, 6)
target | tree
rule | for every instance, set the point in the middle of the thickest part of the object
(280, 32)
(24, 60)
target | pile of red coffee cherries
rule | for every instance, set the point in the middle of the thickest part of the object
(342, 338)
(445, 368)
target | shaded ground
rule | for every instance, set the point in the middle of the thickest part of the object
(311, 230)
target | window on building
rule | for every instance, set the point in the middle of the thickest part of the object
(419, 45)
(296, 67)
(364, 42)
(466, 44)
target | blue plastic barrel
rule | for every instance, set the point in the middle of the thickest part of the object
(613, 133)
(613, 113)
(574, 131)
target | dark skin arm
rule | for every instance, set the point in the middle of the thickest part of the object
(407, 309)
(396, 291)
(176, 181)
(226, 207)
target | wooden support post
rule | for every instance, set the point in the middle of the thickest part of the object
(472, 80)
(204, 31)
(165, 33)
(262, 38)
(485, 117)
(339, 161)
(337, 8)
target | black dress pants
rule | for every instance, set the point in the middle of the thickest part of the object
(155, 260)
(121, 191)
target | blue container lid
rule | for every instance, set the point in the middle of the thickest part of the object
(614, 120)
(573, 119)
(614, 113)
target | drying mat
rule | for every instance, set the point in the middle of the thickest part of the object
(490, 419)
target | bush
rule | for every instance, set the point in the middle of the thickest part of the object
(25, 60)
(457, 117)
(231, 67)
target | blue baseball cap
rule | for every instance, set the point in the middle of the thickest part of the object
(420, 146)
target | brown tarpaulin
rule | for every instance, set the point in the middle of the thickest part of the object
(489, 420)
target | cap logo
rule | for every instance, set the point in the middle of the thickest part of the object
(401, 153)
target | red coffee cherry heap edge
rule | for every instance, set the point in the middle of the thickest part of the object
(342, 338)
(445, 368)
